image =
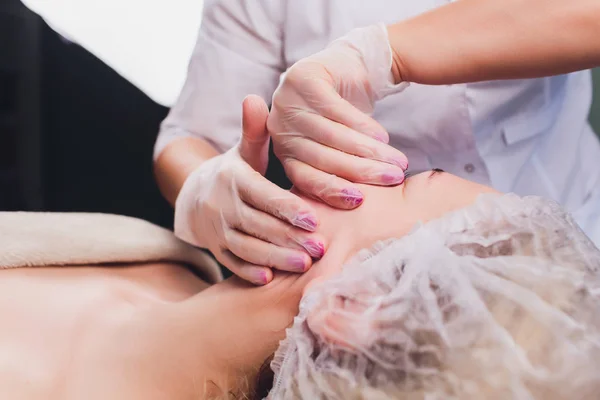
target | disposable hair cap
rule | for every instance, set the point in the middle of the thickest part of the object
(500, 300)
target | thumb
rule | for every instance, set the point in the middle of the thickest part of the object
(254, 147)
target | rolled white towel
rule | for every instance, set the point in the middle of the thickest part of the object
(35, 239)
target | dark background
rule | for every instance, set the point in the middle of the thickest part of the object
(74, 135)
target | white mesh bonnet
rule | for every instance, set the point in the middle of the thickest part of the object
(500, 300)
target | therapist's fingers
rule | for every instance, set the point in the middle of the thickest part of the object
(254, 145)
(264, 195)
(255, 274)
(335, 162)
(327, 102)
(342, 138)
(330, 189)
(270, 229)
(259, 252)
(346, 114)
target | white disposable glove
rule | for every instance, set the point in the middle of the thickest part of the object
(250, 224)
(320, 123)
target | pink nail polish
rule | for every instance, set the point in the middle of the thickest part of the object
(382, 137)
(297, 263)
(261, 278)
(355, 202)
(401, 162)
(306, 222)
(352, 196)
(315, 249)
(392, 177)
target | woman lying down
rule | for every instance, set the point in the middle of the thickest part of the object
(493, 297)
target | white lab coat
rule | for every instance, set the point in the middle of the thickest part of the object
(528, 136)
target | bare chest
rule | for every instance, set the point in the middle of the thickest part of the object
(55, 321)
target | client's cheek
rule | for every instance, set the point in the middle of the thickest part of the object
(431, 197)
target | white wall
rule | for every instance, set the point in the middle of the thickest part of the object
(148, 42)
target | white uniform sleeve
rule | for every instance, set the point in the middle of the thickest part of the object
(239, 52)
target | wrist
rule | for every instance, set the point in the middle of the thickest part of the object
(177, 162)
(397, 68)
(399, 73)
(373, 45)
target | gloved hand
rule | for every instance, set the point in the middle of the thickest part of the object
(250, 224)
(319, 120)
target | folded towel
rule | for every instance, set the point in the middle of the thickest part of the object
(32, 239)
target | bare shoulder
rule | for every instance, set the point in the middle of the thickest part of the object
(57, 319)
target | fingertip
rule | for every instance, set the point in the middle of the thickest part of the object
(261, 276)
(379, 132)
(382, 137)
(254, 115)
(352, 197)
(315, 247)
(309, 263)
(345, 199)
(393, 177)
(255, 103)
(267, 275)
(306, 221)
(255, 275)
(299, 262)
(399, 160)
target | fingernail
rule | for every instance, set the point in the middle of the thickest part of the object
(400, 161)
(315, 249)
(260, 277)
(306, 222)
(392, 177)
(352, 196)
(353, 202)
(382, 137)
(297, 263)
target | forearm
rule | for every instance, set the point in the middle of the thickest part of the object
(475, 40)
(177, 161)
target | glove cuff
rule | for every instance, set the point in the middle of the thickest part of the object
(373, 44)
(186, 203)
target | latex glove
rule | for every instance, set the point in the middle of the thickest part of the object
(320, 123)
(250, 224)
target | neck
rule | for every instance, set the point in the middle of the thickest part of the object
(235, 327)
(231, 329)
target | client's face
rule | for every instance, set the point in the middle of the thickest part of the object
(498, 301)
(388, 212)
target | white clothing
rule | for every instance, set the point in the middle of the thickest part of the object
(527, 136)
